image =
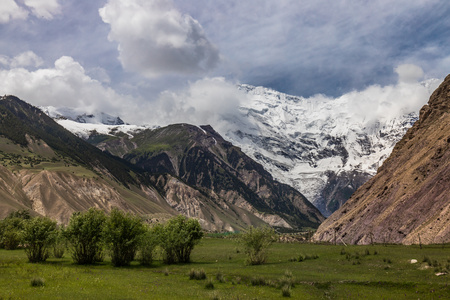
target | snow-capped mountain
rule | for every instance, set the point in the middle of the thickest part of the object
(323, 147)
(326, 148)
(80, 116)
(85, 124)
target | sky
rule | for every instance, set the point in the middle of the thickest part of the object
(168, 61)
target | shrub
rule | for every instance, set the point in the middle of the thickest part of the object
(303, 257)
(37, 282)
(178, 237)
(286, 291)
(147, 245)
(39, 234)
(258, 281)
(11, 229)
(286, 280)
(197, 274)
(122, 234)
(256, 242)
(85, 234)
(60, 246)
(209, 284)
(220, 277)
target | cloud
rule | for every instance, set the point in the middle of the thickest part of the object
(409, 73)
(156, 39)
(330, 47)
(384, 103)
(206, 101)
(66, 84)
(44, 9)
(25, 59)
(9, 10)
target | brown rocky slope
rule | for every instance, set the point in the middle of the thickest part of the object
(408, 201)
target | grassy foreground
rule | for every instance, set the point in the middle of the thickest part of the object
(326, 272)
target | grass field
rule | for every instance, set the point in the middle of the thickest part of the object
(336, 272)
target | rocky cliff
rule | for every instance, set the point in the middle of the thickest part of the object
(408, 201)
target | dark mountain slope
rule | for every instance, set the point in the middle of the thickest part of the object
(19, 119)
(200, 157)
(408, 201)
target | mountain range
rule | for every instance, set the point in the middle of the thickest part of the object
(155, 172)
(325, 148)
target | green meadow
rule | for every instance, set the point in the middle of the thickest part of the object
(293, 270)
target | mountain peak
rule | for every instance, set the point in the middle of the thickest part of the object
(79, 116)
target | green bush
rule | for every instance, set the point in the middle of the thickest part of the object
(60, 246)
(258, 281)
(177, 238)
(11, 229)
(256, 242)
(85, 234)
(209, 284)
(197, 274)
(146, 247)
(37, 282)
(286, 291)
(38, 234)
(122, 234)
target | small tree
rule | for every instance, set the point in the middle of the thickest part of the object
(256, 242)
(85, 234)
(122, 236)
(38, 236)
(178, 237)
(11, 229)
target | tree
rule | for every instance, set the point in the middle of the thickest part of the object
(11, 229)
(178, 237)
(256, 242)
(122, 233)
(38, 235)
(85, 235)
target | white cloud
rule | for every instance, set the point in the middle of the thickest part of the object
(384, 103)
(66, 84)
(44, 9)
(156, 39)
(213, 101)
(9, 10)
(20, 10)
(409, 73)
(26, 59)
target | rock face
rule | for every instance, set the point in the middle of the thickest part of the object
(408, 201)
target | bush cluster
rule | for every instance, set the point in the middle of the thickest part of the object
(89, 234)
(256, 241)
